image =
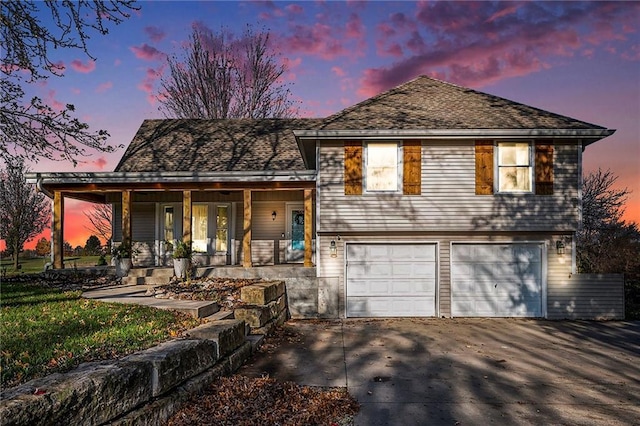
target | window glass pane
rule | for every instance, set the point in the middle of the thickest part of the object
(382, 167)
(168, 224)
(513, 154)
(222, 228)
(199, 222)
(515, 179)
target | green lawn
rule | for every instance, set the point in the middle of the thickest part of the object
(30, 266)
(45, 330)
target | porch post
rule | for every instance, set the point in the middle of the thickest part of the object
(126, 217)
(186, 217)
(58, 227)
(308, 227)
(246, 236)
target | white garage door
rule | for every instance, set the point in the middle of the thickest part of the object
(391, 280)
(496, 280)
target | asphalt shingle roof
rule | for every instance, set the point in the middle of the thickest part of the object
(215, 145)
(427, 103)
(269, 144)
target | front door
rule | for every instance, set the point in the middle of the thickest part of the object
(295, 234)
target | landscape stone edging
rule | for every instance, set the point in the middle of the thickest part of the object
(266, 306)
(130, 388)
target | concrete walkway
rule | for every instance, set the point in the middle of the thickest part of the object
(135, 295)
(467, 372)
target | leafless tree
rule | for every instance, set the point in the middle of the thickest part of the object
(221, 76)
(100, 216)
(24, 212)
(606, 243)
(29, 32)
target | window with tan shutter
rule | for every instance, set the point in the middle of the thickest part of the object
(514, 167)
(544, 168)
(381, 167)
(412, 167)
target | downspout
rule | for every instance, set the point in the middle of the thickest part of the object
(40, 188)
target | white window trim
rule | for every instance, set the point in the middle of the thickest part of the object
(496, 168)
(399, 168)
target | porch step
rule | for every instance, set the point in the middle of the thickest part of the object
(135, 295)
(148, 276)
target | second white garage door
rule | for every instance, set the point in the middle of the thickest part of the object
(391, 280)
(496, 280)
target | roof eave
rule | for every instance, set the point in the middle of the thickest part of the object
(586, 134)
(170, 177)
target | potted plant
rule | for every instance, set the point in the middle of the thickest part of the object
(122, 256)
(181, 259)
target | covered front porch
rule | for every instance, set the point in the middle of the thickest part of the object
(245, 219)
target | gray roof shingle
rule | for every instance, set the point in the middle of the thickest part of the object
(215, 145)
(427, 103)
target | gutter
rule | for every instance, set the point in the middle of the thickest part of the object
(594, 134)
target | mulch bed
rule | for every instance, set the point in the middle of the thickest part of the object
(240, 400)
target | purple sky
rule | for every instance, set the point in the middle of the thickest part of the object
(573, 58)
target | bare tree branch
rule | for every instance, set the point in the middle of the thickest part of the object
(100, 221)
(224, 77)
(30, 128)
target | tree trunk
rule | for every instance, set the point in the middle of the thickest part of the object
(16, 252)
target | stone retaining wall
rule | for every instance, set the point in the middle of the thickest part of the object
(266, 306)
(145, 388)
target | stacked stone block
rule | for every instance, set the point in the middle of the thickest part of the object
(265, 306)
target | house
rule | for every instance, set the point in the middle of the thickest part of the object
(429, 200)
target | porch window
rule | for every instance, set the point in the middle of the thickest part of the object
(199, 221)
(168, 224)
(381, 167)
(514, 167)
(222, 228)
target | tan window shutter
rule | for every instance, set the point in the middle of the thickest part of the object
(484, 167)
(544, 168)
(352, 168)
(411, 167)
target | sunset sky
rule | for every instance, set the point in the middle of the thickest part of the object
(573, 58)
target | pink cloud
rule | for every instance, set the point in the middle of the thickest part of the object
(117, 63)
(477, 43)
(318, 39)
(75, 91)
(103, 87)
(338, 71)
(294, 9)
(147, 84)
(78, 66)
(354, 26)
(155, 34)
(100, 163)
(51, 100)
(147, 53)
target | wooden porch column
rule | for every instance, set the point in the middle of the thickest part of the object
(246, 236)
(126, 217)
(58, 227)
(186, 217)
(308, 227)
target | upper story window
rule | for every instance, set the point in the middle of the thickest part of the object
(515, 169)
(382, 167)
(391, 167)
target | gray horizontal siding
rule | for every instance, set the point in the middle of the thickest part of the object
(448, 201)
(587, 296)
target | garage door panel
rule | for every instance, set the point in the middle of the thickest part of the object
(364, 307)
(496, 280)
(390, 280)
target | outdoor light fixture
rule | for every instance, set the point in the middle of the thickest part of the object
(273, 215)
(560, 247)
(333, 249)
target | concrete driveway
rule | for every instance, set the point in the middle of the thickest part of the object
(466, 371)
